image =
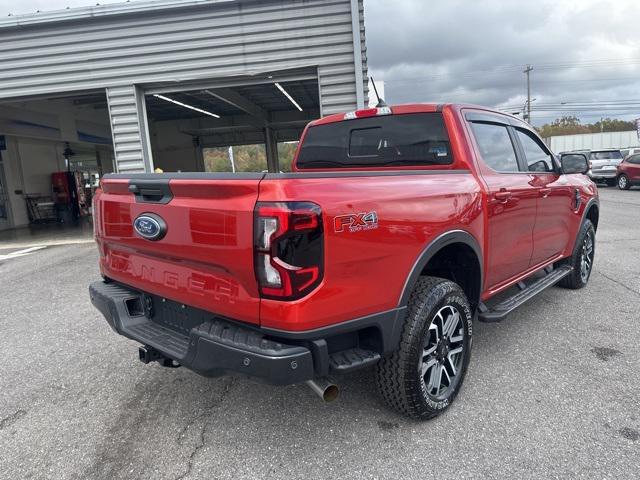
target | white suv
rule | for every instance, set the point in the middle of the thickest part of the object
(603, 165)
(629, 151)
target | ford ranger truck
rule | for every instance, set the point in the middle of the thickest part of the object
(397, 229)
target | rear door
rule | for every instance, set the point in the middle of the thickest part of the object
(204, 258)
(511, 202)
(556, 197)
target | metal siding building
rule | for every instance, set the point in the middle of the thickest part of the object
(130, 49)
(593, 141)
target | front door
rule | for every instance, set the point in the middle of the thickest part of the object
(511, 203)
(556, 198)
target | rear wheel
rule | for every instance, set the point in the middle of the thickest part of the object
(623, 182)
(424, 375)
(582, 258)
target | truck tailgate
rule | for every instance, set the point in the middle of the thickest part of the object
(205, 258)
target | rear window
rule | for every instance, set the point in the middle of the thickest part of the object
(416, 139)
(605, 155)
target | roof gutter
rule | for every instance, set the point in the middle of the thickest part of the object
(97, 11)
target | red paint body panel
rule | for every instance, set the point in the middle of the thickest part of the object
(206, 258)
(536, 226)
(365, 271)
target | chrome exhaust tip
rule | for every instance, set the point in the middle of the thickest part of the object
(325, 389)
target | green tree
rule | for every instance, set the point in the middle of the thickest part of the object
(247, 158)
(286, 152)
(565, 125)
(571, 125)
(612, 125)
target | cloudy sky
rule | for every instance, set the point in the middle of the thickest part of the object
(585, 54)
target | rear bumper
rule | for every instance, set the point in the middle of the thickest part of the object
(212, 346)
(211, 349)
(602, 175)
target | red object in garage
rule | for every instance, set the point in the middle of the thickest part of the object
(69, 194)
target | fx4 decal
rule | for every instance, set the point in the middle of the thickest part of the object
(355, 222)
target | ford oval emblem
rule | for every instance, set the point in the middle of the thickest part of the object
(150, 226)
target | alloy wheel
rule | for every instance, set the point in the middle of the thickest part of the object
(586, 259)
(622, 182)
(443, 352)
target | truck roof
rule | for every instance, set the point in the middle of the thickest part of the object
(408, 108)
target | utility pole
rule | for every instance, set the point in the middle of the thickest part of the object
(526, 72)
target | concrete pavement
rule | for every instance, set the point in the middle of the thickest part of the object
(552, 392)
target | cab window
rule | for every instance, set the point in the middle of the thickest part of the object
(417, 139)
(537, 157)
(496, 147)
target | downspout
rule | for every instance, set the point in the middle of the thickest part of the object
(357, 53)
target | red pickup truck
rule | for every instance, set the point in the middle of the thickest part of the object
(398, 227)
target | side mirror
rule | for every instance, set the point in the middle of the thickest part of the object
(574, 163)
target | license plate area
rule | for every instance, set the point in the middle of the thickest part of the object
(174, 315)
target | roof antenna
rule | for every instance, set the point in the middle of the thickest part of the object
(381, 102)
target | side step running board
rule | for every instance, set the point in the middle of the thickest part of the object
(352, 359)
(504, 308)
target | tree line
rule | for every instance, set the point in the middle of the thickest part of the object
(571, 125)
(247, 158)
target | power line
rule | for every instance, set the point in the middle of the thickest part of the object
(501, 69)
(557, 106)
(604, 103)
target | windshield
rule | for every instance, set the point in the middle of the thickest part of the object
(416, 139)
(614, 154)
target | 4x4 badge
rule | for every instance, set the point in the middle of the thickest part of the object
(355, 222)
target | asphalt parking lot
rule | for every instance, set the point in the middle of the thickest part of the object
(552, 392)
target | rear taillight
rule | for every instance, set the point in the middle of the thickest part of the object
(288, 248)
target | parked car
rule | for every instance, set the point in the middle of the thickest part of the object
(629, 151)
(629, 172)
(603, 165)
(396, 230)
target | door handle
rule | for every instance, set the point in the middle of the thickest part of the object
(545, 192)
(502, 196)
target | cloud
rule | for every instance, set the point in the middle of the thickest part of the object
(462, 51)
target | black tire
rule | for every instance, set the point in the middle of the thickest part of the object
(400, 377)
(576, 279)
(611, 182)
(623, 182)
